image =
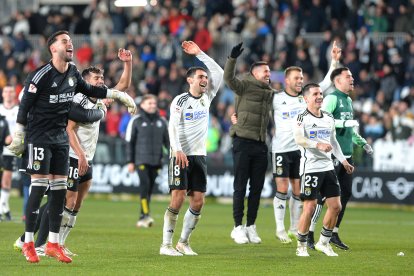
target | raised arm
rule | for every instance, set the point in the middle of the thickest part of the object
(335, 56)
(230, 70)
(125, 81)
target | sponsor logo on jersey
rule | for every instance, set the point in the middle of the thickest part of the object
(291, 114)
(196, 115)
(32, 88)
(61, 98)
(312, 134)
(321, 134)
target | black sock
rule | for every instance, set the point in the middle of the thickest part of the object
(32, 209)
(56, 202)
(43, 227)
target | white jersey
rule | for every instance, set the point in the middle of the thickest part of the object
(87, 133)
(189, 116)
(285, 110)
(11, 117)
(317, 130)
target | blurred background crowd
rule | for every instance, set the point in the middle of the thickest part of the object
(377, 39)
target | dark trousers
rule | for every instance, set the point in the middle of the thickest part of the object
(147, 175)
(250, 162)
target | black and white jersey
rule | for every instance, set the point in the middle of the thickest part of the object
(285, 110)
(87, 133)
(316, 130)
(189, 115)
(46, 102)
(10, 115)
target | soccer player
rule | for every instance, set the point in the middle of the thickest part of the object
(188, 134)
(314, 132)
(285, 152)
(82, 116)
(83, 138)
(146, 135)
(339, 104)
(41, 124)
(8, 109)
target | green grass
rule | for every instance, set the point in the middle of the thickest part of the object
(108, 243)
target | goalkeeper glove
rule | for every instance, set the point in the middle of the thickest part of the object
(351, 123)
(368, 149)
(17, 144)
(123, 98)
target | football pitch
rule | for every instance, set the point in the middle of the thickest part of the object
(108, 243)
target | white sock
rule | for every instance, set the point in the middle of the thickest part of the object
(170, 220)
(63, 225)
(315, 217)
(28, 237)
(335, 230)
(53, 237)
(279, 207)
(4, 201)
(325, 236)
(68, 228)
(295, 208)
(191, 219)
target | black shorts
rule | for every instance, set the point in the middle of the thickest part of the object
(47, 159)
(326, 183)
(73, 177)
(286, 164)
(9, 163)
(191, 178)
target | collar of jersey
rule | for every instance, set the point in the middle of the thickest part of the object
(314, 114)
(191, 95)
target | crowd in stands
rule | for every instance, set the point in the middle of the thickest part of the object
(271, 30)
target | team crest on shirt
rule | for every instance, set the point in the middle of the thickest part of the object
(279, 170)
(159, 124)
(36, 165)
(177, 181)
(308, 191)
(202, 102)
(71, 82)
(300, 98)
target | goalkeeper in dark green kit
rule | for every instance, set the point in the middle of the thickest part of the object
(340, 105)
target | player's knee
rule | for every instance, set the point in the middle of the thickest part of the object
(336, 208)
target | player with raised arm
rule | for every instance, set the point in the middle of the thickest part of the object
(285, 152)
(83, 138)
(188, 128)
(314, 132)
(41, 126)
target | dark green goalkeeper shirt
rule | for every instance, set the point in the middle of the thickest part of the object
(340, 105)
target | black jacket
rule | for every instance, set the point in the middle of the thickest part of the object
(145, 136)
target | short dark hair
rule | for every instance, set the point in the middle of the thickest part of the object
(192, 70)
(308, 86)
(257, 64)
(92, 69)
(52, 39)
(337, 72)
(147, 97)
(292, 68)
